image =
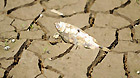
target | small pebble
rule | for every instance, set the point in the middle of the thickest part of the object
(41, 15)
(138, 72)
(48, 52)
(50, 59)
(109, 65)
(136, 25)
(13, 40)
(6, 48)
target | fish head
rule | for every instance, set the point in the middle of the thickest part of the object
(60, 26)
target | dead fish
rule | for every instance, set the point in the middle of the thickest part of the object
(74, 35)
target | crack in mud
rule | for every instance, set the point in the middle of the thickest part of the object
(14, 17)
(101, 54)
(5, 58)
(17, 57)
(132, 32)
(123, 16)
(35, 19)
(127, 71)
(18, 36)
(138, 51)
(137, 22)
(63, 16)
(40, 65)
(121, 6)
(88, 5)
(21, 6)
(115, 42)
(13, 25)
(90, 21)
(44, 29)
(5, 3)
(41, 68)
(91, 2)
(2, 67)
(114, 13)
(54, 70)
(65, 6)
(16, 30)
(62, 54)
(131, 26)
(43, 5)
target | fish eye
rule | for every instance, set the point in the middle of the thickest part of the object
(78, 30)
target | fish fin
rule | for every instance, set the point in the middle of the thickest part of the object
(56, 35)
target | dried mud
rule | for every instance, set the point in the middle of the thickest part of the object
(115, 24)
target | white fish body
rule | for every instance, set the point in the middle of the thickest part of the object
(75, 35)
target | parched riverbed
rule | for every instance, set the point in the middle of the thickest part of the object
(27, 43)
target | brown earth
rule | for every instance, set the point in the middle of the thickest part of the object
(113, 23)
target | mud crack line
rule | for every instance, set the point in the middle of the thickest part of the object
(21, 6)
(88, 5)
(101, 55)
(54, 70)
(35, 19)
(17, 57)
(137, 22)
(41, 68)
(90, 21)
(127, 72)
(62, 54)
(5, 3)
(15, 29)
(121, 6)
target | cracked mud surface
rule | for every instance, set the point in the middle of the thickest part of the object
(113, 23)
